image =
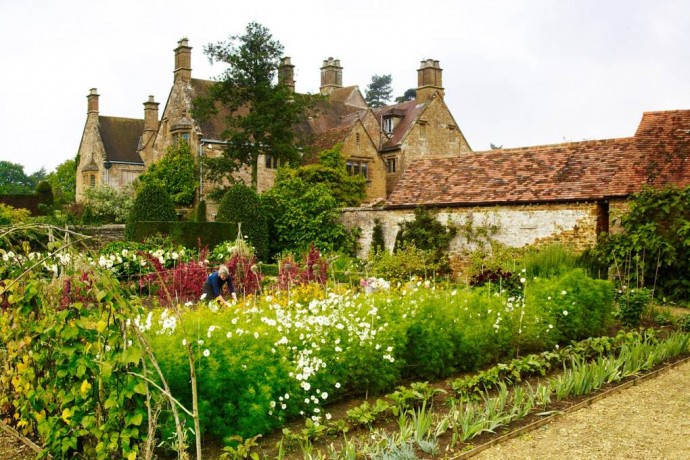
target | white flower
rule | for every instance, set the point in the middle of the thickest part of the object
(522, 280)
(565, 312)
(563, 292)
(324, 395)
(207, 353)
(337, 384)
(184, 342)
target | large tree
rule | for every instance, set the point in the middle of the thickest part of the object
(13, 180)
(260, 110)
(409, 94)
(64, 182)
(379, 91)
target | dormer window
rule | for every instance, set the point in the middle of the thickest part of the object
(388, 125)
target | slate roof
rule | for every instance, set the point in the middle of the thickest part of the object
(657, 155)
(120, 138)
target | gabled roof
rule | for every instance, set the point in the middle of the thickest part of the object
(658, 155)
(213, 127)
(329, 112)
(408, 112)
(120, 138)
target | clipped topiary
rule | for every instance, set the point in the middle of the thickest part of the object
(241, 204)
(378, 243)
(44, 191)
(201, 211)
(152, 204)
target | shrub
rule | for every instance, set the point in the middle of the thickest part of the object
(10, 215)
(105, 205)
(44, 191)
(683, 323)
(426, 233)
(201, 211)
(572, 306)
(378, 243)
(631, 305)
(405, 263)
(152, 203)
(241, 204)
(501, 280)
(69, 374)
(301, 214)
(176, 171)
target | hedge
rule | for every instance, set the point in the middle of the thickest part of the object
(188, 234)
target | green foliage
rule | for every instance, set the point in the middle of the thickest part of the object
(575, 305)
(426, 233)
(301, 214)
(331, 172)
(106, 205)
(68, 376)
(405, 263)
(13, 180)
(683, 323)
(10, 215)
(241, 205)
(632, 303)
(548, 261)
(269, 112)
(201, 211)
(365, 414)
(152, 204)
(192, 235)
(379, 91)
(44, 192)
(408, 95)
(64, 182)
(176, 172)
(654, 250)
(378, 243)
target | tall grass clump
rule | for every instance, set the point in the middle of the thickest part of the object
(548, 261)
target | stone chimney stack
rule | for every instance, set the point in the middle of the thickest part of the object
(286, 73)
(429, 80)
(92, 98)
(150, 120)
(331, 76)
(183, 61)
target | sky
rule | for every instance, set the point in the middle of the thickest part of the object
(516, 72)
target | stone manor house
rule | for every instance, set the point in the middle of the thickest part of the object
(414, 154)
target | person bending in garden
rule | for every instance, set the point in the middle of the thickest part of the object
(213, 286)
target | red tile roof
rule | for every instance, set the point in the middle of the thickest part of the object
(408, 112)
(657, 155)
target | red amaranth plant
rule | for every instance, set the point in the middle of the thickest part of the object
(77, 289)
(182, 283)
(288, 273)
(316, 269)
(245, 276)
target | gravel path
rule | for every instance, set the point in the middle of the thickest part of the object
(647, 421)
